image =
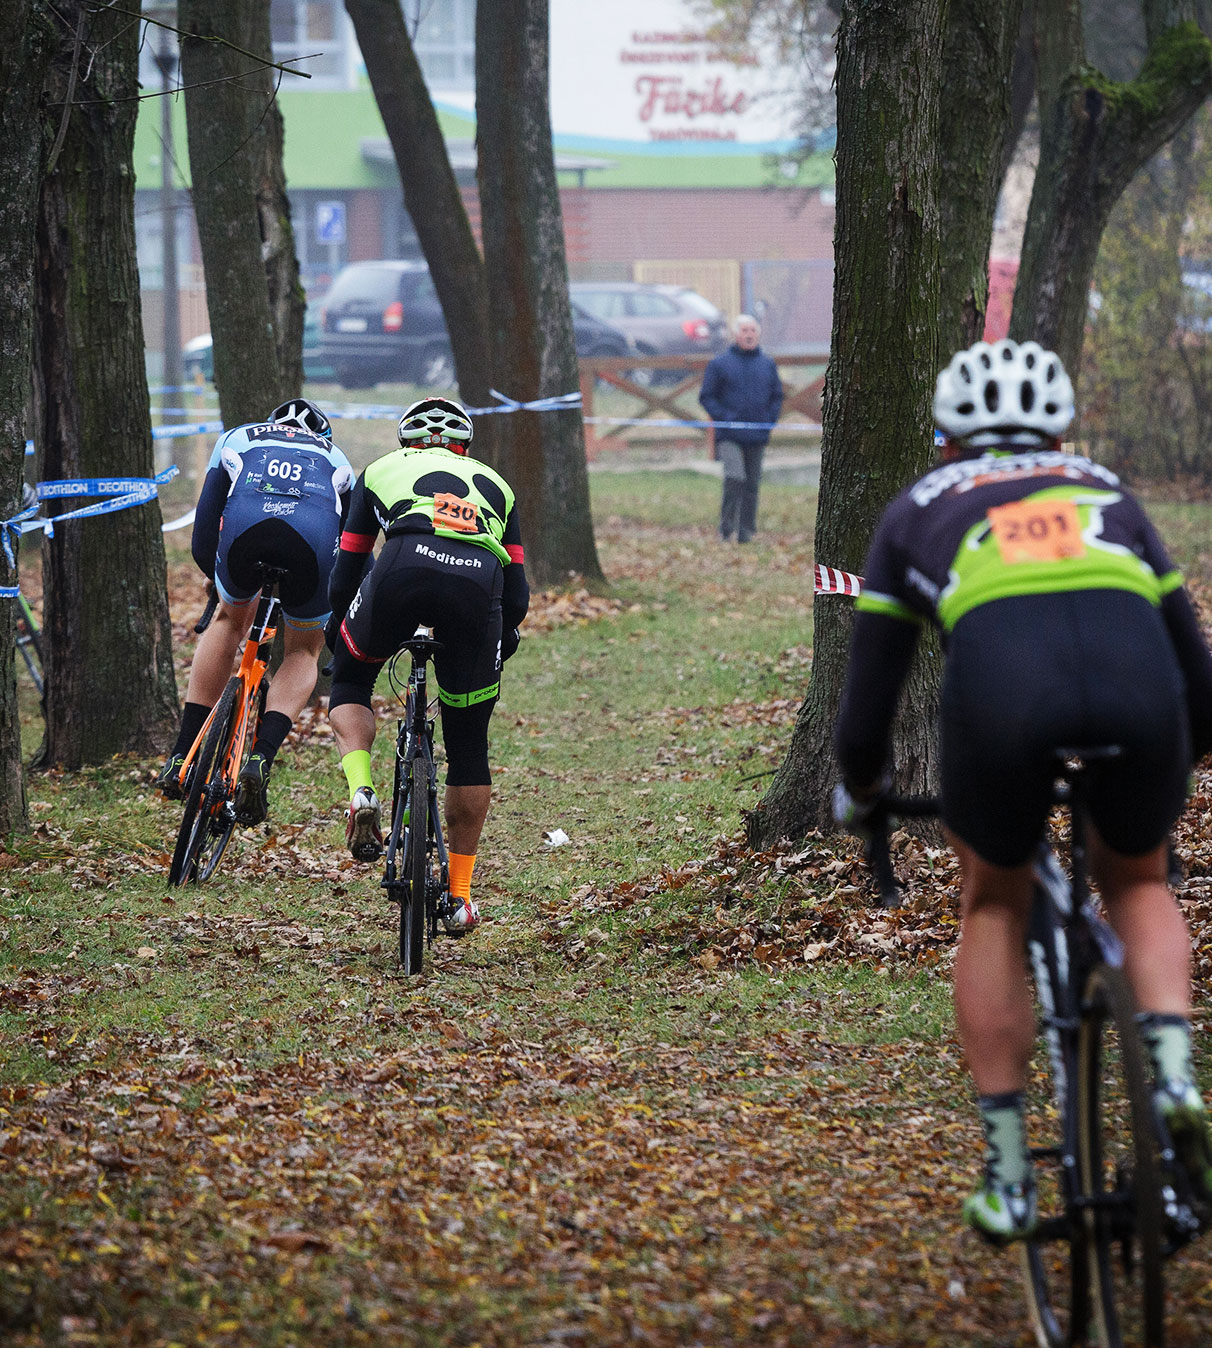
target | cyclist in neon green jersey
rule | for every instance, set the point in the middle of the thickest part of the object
(453, 561)
(1065, 625)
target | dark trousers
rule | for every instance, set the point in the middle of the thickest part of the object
(742, 478)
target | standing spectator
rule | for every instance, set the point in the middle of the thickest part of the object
(742, 385)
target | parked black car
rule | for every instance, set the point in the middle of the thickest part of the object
(381, 321)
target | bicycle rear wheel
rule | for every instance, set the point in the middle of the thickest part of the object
(203, 834)
(413, 905)
(1118, 1169)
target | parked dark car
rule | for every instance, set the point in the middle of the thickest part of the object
(596, 338)
(381, 321)
(198, 355)
(662, 320)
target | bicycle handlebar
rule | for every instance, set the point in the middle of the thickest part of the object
(212, 603)
(876, 852)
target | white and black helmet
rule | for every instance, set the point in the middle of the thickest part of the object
(996, 392)
(306, 415)
(435, 421)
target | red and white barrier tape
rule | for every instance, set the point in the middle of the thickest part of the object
(829, 580)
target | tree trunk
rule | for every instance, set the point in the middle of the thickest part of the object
(1095, 134)
(980, 46)
(431, 197)
(884, 356)
(229, 112)
(26, 38)
(287, 298)
(109, 669)
(542, 454)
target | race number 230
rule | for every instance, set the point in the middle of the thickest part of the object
(453, 512)
(1037, 531)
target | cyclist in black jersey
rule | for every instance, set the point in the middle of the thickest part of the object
(452, 560)
(1065, 624)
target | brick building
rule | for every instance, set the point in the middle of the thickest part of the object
(674, 161)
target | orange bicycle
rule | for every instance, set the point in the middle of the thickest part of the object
(209, 772)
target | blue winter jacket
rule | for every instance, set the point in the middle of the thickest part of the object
(742, 386)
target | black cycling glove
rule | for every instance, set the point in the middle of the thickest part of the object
(509, 642)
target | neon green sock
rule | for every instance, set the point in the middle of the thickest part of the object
(356, 767)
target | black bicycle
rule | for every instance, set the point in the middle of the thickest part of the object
(416, 873)
(1113, 1203)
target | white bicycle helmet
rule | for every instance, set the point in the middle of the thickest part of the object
(435, 421)
(306, 415)
(997, 392)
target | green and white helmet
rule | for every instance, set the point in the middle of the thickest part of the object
(439, 422)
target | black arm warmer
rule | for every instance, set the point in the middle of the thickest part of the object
(881, 651)
(204, 542)
(1182, 622)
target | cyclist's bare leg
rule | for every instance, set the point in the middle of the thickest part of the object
(1146, 917)
(466, 809)
(295, 679)
(215, 653)
(992, 1000)
(353, 725)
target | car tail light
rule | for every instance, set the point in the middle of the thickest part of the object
(393, 317)
(697, 329)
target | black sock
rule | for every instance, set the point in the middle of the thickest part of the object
(193, 718)
(273, 730)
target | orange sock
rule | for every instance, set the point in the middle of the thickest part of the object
(461, 867)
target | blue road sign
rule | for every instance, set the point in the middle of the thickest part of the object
(330, 222)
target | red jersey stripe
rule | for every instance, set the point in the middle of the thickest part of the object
(357, 542)
(516, 553)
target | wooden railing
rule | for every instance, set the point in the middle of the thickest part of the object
(679, 401)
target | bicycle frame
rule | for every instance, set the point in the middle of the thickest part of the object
(253, 664)
(209, 773)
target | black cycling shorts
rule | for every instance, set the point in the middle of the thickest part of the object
(1031, 674)
(455, 588)
(302, 540)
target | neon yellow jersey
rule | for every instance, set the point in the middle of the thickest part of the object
(435, 491)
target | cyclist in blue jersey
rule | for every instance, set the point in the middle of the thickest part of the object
(275, 493)
(1065, 624)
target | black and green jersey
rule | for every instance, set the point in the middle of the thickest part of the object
(437, 493)
(1010, 524)
(433, 491)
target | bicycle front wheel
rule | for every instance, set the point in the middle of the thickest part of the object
(202, 837)
(1118, 1169)
(413, 907)
(1053, 1261)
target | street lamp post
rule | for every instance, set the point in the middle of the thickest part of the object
(166, 63)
